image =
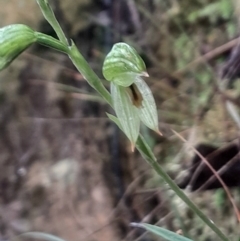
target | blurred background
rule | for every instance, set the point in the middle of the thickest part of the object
(65, 169)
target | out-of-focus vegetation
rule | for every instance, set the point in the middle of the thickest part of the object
(47, 144)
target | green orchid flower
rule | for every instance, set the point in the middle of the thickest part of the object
(132, 99)
(14, 39)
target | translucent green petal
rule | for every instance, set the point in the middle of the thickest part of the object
(148, 110)
(125, 80)
(127, 113)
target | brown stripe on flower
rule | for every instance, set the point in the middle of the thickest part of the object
(135, 95)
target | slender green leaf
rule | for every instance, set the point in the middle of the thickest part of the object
(40, 235)
(50, 17)
(161, 232)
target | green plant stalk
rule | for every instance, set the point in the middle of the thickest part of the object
(83, 67)
(147, 154)
(51, 42)
(50, 17)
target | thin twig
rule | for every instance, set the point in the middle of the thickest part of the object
(220, 172)
(215, 174)
(210, 55)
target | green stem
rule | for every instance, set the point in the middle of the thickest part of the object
(73, 53)
(50, 17)
(51, 42)
(83, 67)
(148, 155)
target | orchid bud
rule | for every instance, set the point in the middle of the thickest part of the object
(14, 39)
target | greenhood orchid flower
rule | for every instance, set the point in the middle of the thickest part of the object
(14, 39)
(132, 99)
